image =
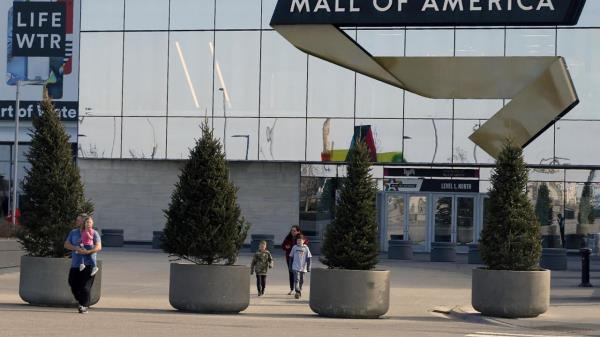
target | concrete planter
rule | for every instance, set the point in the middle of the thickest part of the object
(343, 293)
(209, 289)
(314, 244)
(45, 281)
(157, 239)
(400, 249)
(443, 252)
(112, 238)
(511, 294)
(10, 253)
(554, 259)
(474, 255)
(257, 238)
(550, 236)
(574, 241)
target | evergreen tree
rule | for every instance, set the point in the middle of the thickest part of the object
(204, 222)
(543, 206)
(351, 239)
(586, 209)
(53, 194)
(510, 241)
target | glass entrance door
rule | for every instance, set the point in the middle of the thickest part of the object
(394, 218)
(443, 218)
(465, 222)
(417, 225)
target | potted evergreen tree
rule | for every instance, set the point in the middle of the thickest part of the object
(205, 228)
(350, 287)
(512, 284)
(53, 196)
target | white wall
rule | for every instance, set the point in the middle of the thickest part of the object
(131, 194)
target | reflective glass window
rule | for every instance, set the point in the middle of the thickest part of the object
(182, 134)
(583, 59)
(238, 14)
(190, 74)
(577, 142)
(145, 74)
(428, 140)
(102, 15)
(375, 98)
(540, 151)
(240, 135)
(146, 14)
(192, 14)
(530, 42)
(99, 137)
(330, 89)
(144, 137)
(282, 138)
(236, 73)
(283, 78)
(100, 74)
(465, 151)
(329, 139)
(387, 134)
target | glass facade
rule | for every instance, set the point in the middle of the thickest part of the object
(156, 69)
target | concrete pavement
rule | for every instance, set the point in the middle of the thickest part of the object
(427, 299)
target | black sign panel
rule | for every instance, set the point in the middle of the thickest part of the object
(454, 186)
(39, 29)
(67, 111)
(428, 12)
(430, 172)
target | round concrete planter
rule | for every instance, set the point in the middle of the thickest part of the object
(45, 281)
(511, 294)
(349, 293)
(112, 237)
(443, 252)
(474, 255)
(257, 238)
(400, 249)
(554, 259)
(209, 289)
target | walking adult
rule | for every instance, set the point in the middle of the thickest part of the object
(561, 226)
(81, 280)
(287, 245)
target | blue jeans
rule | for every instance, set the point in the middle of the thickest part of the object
(89, 260)
(298, 280)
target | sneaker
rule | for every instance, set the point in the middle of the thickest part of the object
(83, 310)
(81, 267)
(94, 271)
(297, 295)
(291, 292)
(259, 293)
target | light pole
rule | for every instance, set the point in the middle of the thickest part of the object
(225, 126)
(247, 142)
(16, 146)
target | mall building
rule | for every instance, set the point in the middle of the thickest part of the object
(151, 71)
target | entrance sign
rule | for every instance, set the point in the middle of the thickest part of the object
(428, 12)
(39, 29)
(430, 172)
(539, 88)
(430, 185)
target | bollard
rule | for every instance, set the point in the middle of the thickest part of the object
(585, 267)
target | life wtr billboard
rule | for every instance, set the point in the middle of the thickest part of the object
(42, 42)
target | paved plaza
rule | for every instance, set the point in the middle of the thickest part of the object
(427, 299)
